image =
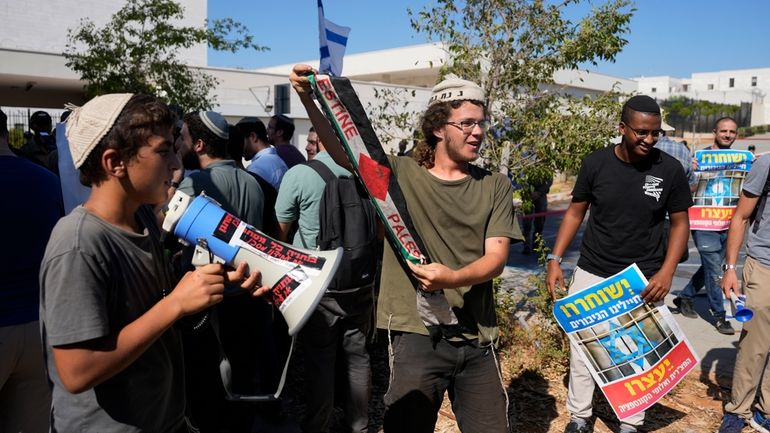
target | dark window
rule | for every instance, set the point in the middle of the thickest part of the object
(282, 101)
(711, 87)
(753, 81)
(654, 89)
(732, 82)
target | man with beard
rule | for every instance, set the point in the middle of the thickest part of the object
(464, 216)
(711, 247)
(244, 323)
(280, 130)
(629, 187)
(264, 159)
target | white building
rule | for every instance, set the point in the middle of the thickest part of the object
(33, 71)
(724, 87)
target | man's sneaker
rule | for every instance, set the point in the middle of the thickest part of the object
(685, 307)
(760, 422)
(731, 423)
(579, 425)
(724, 327)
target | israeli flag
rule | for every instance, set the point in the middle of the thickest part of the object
(333, 39)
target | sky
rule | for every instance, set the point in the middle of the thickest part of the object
(666, 37)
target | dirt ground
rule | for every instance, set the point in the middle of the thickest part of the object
(537, 405)
(537, 401)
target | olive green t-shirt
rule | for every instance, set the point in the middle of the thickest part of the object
(453, 219)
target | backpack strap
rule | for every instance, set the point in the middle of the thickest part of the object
(326, 174)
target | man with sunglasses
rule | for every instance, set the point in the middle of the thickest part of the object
(711, 248)
(629, 187)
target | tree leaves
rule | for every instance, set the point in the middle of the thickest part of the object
(137, 52)
(513, 48)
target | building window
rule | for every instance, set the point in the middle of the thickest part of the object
(732, 82)
(753, 81)
(685, 87)
(711, 87)
(654, 89)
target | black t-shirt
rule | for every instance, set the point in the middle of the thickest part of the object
(628, 208)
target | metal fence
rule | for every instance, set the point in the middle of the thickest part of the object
(705, 122)
(18, 121)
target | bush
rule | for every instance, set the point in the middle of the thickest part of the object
(744, 131)
(16, 137)
(538, 343)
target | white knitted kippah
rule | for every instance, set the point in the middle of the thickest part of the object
(454, 88)
(87, 125)
(215, 123)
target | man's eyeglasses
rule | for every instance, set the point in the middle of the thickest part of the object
(643, 133)
(468, 125)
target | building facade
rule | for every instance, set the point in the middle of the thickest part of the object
(724, 87)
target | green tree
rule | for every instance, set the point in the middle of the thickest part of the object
(136, 51)
(690, 113)
(513, 48)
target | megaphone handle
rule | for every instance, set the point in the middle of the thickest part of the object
(203, 256)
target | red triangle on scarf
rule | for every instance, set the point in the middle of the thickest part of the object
(375, 176)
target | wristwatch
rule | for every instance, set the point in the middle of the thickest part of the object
(550, 257)
(726, 267)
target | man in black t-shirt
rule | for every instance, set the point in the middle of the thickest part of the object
(630, 187)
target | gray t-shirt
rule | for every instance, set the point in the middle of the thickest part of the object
(758, 244)
(235, 189)
(95, 279)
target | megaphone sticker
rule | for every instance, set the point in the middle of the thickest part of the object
(298, 277)
(237, 233)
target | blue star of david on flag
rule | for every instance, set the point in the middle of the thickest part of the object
(633, 344)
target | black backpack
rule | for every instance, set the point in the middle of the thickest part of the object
(347, 219)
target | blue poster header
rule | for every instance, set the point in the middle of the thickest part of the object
(612, 297)
(723, 159)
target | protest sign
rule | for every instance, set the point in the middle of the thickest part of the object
(720, 178)
(635, 351)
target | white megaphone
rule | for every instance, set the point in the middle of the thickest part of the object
(298, 277)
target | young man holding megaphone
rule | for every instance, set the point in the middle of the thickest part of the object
(108, 300)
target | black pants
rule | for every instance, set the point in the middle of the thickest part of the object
(421, 375)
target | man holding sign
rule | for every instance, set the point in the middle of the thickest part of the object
(629, 187)
(711, 245)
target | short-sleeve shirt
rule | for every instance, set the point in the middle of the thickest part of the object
(628, 203)
(453, 219)
(97, 278)
(758, 244)
(32, 206)
(237, 191)
(269, 166)
(289, 154)
(300, 196)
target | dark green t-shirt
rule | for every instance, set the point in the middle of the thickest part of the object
(453, 218)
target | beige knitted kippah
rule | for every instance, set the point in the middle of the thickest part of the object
(454, 88)
(87, 125)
